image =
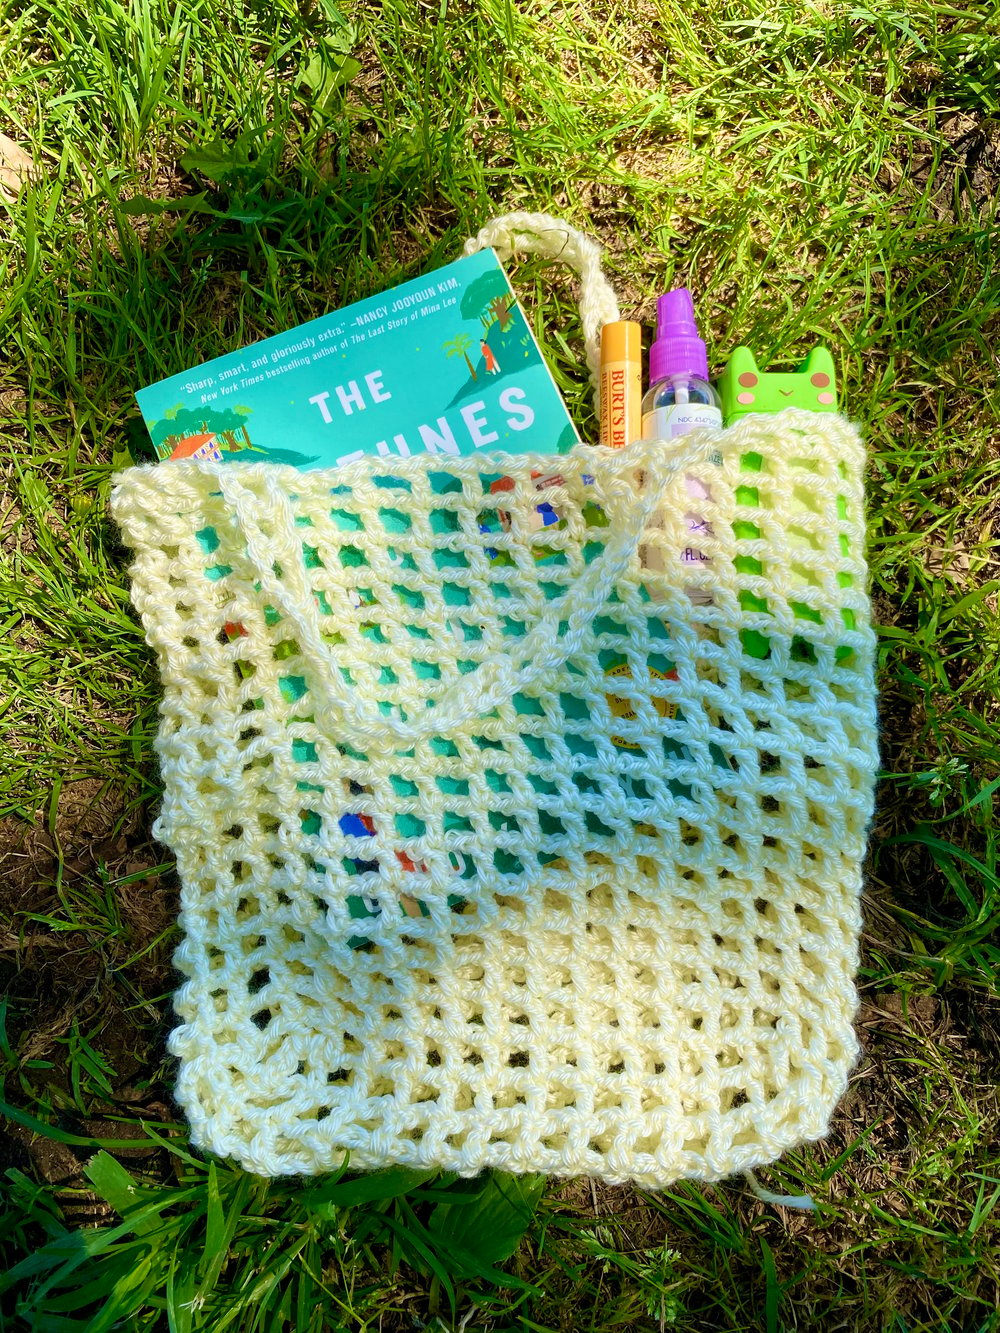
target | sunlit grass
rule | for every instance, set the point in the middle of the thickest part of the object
(209, 175)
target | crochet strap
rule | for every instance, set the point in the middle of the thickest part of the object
(264, 514)
(538, 233)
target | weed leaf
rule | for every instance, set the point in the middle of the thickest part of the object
(487, 1230)
(378, 1186)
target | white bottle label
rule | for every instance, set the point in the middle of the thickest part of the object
(666, 423)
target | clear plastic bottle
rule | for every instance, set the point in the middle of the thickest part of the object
(680, 399)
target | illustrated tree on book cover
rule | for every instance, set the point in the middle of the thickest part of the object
(505, 343)
(489, 299)
(203, 432)
(460, 347)
(215, 435)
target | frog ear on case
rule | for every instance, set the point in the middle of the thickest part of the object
(742, 363)
(738, 383)
(819, 369)
(818, 362)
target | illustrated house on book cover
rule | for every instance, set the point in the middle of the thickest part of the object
(203, 447)
(443, 364)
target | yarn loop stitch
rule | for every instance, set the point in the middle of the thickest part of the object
(496, 848)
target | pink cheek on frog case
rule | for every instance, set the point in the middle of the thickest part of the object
(744, 397)
(825, 398)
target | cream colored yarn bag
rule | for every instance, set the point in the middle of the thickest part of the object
(496, 848)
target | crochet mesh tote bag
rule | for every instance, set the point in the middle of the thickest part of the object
(501, 844)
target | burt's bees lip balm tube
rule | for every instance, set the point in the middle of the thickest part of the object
(621, 383)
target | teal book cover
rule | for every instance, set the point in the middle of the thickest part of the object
(443, 364)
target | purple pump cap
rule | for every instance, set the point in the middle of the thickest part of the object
(677, 350)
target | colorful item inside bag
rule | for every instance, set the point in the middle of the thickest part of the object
(632, 823)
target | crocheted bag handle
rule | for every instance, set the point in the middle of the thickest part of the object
(538, 233)
(264, 514)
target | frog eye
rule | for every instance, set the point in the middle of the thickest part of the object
(747, 380)
(820, 380)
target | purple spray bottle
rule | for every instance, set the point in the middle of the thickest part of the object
(680, 399)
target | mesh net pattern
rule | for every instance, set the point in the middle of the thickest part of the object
(512, 830)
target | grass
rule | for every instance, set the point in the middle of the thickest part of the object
(207, 175)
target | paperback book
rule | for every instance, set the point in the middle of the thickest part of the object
(443, 364)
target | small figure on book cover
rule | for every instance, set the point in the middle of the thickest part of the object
(492, 364)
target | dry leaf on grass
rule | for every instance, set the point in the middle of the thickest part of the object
(15, 167)
(953, 560)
